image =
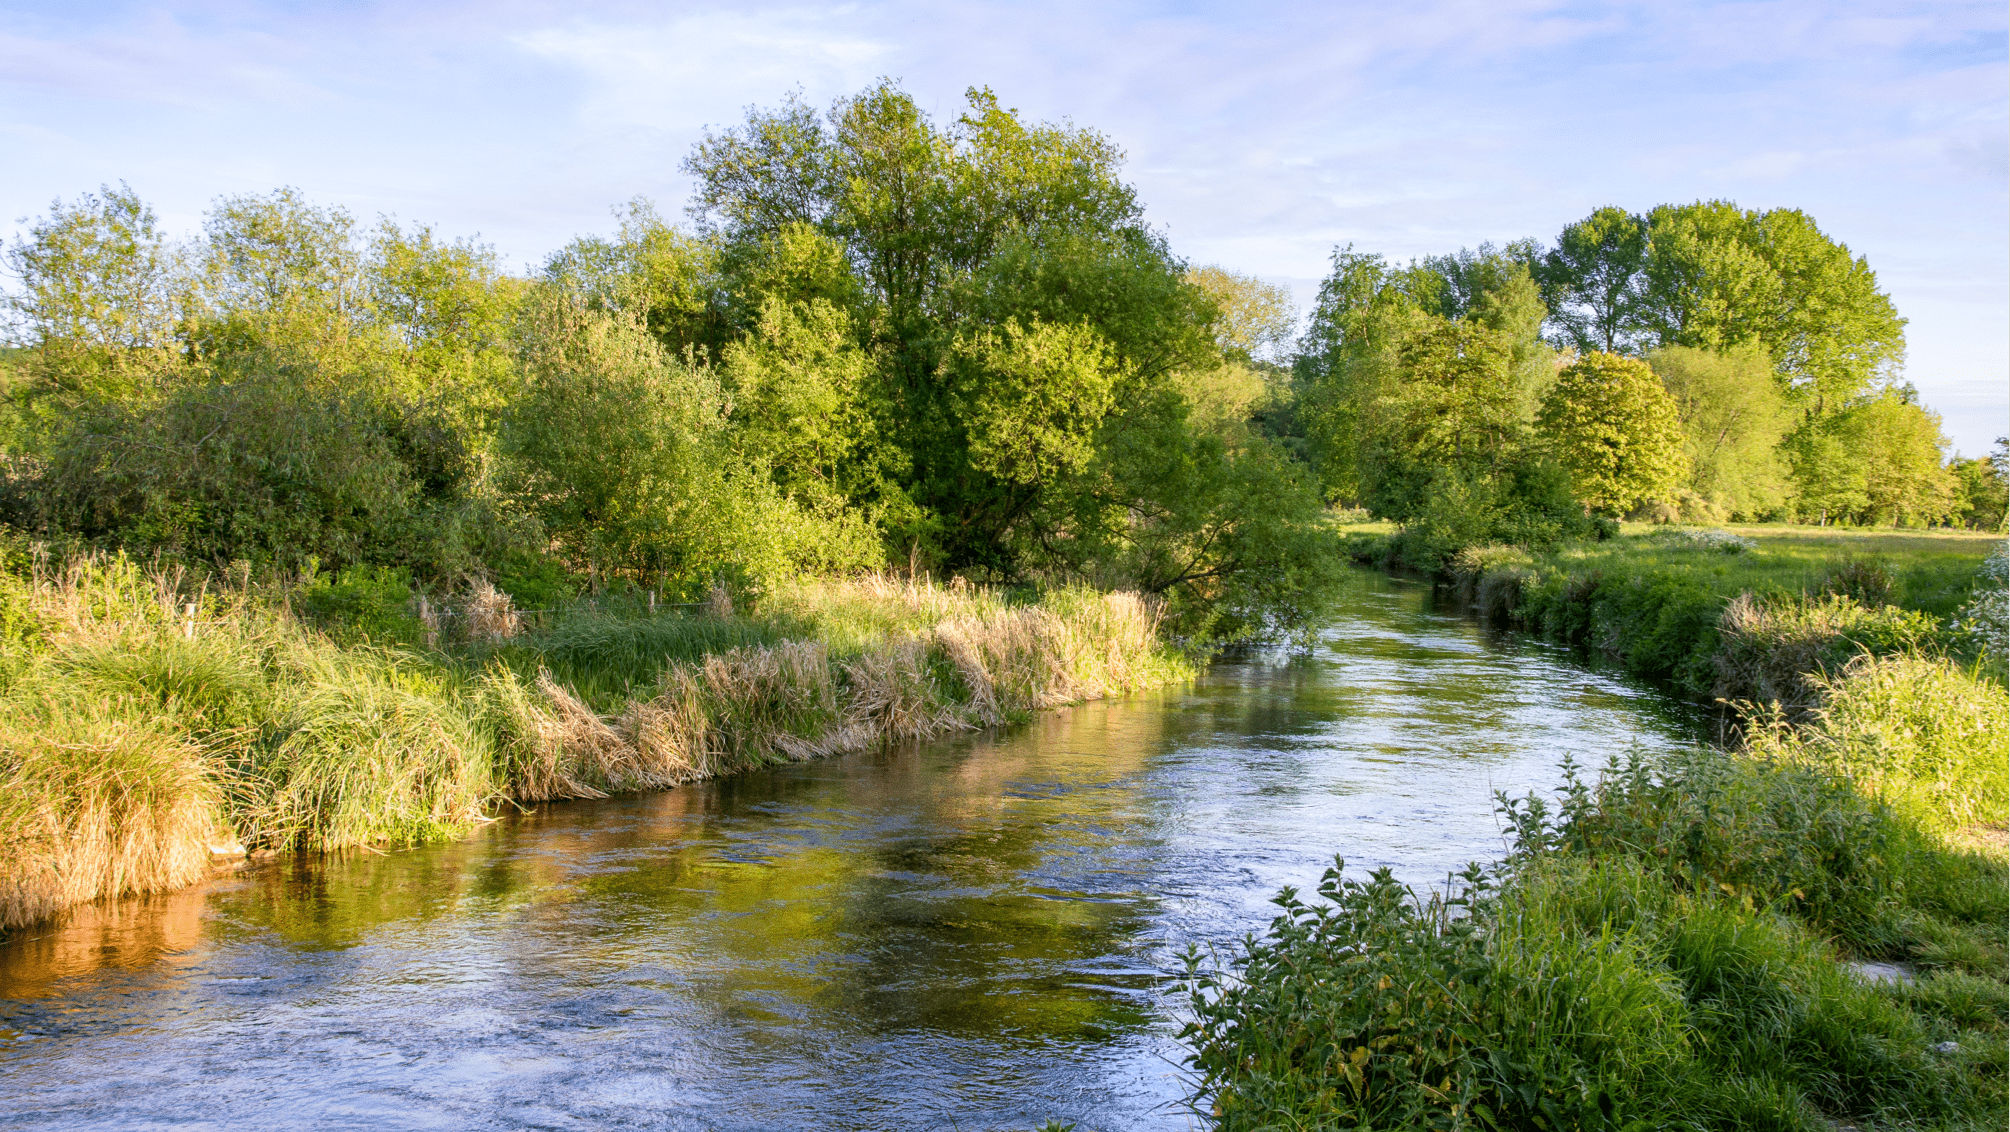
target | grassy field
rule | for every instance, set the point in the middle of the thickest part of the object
(1933, 570)
(152, 721)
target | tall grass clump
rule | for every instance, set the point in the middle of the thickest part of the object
(1918, 733)
(900, 670)
(94, 802)
(141, 743)
(1787, 650)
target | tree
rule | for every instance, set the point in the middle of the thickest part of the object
(1035, 397)
(1721, 277)
(1593, 281)
(1015, 315)
(653, 272)
(1901, 447)
(797, 387)
(1614, 426)
(1733, 420)
(621, 453)
(1710, 275)
(1982, 489)
(1495, 287)
(99, 296)
(1255, 318)
(282, 284)
(1878, 461)
(451, 312)
(1830, 480)
(1365, 309)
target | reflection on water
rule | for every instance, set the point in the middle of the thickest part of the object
(970, 934)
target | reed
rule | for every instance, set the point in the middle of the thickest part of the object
(95, 803)
(759, 705)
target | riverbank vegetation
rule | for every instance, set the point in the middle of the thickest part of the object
(955, 348)
(1794, 935)
(152, 725)
(1734, 616)
(323, 534)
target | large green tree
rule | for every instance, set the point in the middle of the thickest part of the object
(1614, 426)
(1710, 275)
(1879, 461)
(1733, 420)
(1593, 281)
(1014, 325)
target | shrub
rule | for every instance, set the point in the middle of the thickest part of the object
(1915, 732)
(1776, 649)
(1580, 994)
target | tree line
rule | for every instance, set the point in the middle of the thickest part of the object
(879, 340)
(1696, 362)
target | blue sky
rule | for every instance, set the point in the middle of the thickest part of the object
(1259, 138)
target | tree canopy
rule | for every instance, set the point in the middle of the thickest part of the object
(952, 346)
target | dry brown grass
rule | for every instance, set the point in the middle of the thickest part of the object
(749, 707)
(92, 807)
(135, 739)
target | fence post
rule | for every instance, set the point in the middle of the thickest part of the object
(188, 625)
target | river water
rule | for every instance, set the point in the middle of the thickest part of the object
(969, 934)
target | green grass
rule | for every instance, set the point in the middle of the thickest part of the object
(1933, 571)
(1664, 602)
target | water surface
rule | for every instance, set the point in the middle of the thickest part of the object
(969, 934)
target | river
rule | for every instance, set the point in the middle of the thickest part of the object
(971, 934)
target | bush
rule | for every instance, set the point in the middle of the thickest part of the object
(1777, 649)
(1654, 954)
(366, 602)
(269, 470)
(1582, 994)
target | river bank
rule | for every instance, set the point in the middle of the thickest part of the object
(1804, 930)
(156, 723)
